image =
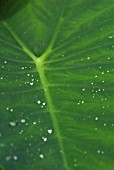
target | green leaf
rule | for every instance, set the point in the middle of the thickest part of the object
(57, 85)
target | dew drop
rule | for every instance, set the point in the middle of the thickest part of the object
(44, 139)
(110, 37)
(75, 165)
(102, 152)
(21, 132)
(15, 158)
(34, 123)
(39, 102)
(44, 104)
(5, 62)
(96, 129)
(50, 131)
(2, 145)
(31, 83)
(12, 123)
(23, 120)
(98, 151)
(41, 156)
(8, 158)
(96, 118)
(11, 110)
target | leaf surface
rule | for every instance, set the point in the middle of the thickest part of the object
(57, 84)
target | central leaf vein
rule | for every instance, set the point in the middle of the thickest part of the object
(51, 108)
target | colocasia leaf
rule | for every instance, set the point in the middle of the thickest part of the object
(57, 84)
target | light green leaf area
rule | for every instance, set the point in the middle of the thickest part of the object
(57, 85)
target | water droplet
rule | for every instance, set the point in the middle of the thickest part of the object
(2, 145)
(98, 151)
(50, 131)
(96, 129)
(85, 152)
(39, 102)
(34, 123)
(15, 158)
(8, 158)
(110, 37)
(30, 144)
(102, 152)
(21, 132)
(44, 139)
(75, 165)
(96, 118)
(12, 123)
(41, 156)
(23, 120)
(11, 110)
(31, 83)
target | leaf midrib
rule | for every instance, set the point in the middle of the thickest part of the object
(51, 108)
(39, 61)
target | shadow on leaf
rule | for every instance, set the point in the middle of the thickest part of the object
(1, 167)
(11, 7)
